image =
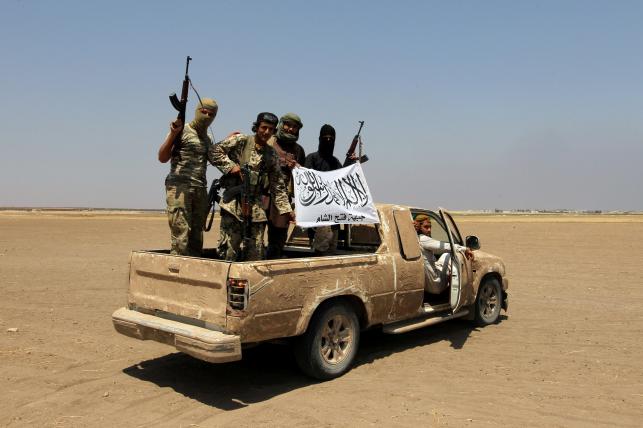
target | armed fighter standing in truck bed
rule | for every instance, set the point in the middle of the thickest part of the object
(249, 162)
(189, 148)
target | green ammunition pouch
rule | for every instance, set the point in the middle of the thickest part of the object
(254, 179)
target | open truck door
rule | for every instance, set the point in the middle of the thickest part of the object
(461, 270)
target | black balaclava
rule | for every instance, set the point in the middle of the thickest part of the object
(326, 147)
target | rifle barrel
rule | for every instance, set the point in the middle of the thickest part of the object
(361, 124)
(187, 65)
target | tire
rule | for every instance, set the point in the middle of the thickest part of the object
(488, 302)
(329, 346)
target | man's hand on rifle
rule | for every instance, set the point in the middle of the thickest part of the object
(236, 170)
(292, 216)
(353, 157)
(176, 126)
(165, 151)
(290, 160)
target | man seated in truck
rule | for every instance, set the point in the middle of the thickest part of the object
(436, 271)
(416, 222)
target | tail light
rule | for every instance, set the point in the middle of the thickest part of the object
(237, 293)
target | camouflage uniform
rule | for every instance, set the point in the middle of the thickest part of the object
(187, 199)
(286, 146)
(265, 177)
(325, 240)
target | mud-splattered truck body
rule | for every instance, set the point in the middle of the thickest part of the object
(211, 309)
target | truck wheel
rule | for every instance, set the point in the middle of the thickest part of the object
(329, 346)
(488, 302)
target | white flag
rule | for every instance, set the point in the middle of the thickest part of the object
(333, 197)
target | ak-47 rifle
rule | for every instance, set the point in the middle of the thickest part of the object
(213, 198)
(357, 139)
(180, 105)
(246, 212)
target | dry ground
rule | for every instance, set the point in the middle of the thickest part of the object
(568, 353)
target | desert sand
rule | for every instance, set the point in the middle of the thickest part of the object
(567, 353)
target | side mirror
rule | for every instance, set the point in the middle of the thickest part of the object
(472, 242)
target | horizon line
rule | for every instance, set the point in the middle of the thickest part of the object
(476, 211)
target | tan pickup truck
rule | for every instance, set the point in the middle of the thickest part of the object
(212, 309)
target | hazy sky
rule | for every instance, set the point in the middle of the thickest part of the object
(467, 104)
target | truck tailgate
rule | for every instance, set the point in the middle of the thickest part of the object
(184, 286)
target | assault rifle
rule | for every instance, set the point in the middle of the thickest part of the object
(213, 198)
(180, 105)
(351, 149)
(246, 213)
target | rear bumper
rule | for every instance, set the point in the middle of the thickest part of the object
(201, 343)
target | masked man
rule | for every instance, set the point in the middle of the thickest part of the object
(239, 158)
(185, 185)
(290, 154)
(324, 237)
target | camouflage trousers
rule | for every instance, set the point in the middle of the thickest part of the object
(325, 240)
(231, 237)
(186, 212)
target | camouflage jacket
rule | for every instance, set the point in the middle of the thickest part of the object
(295, 152)
(266, 176)
(189, 159)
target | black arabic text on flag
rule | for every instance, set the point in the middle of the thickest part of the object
(332, 197)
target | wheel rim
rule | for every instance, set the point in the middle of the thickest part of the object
(336, 339)
(489, 301)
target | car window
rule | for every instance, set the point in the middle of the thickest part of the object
(455, 232)
(355, 237)
(365, 234)
(437, 227)
(438, 230)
